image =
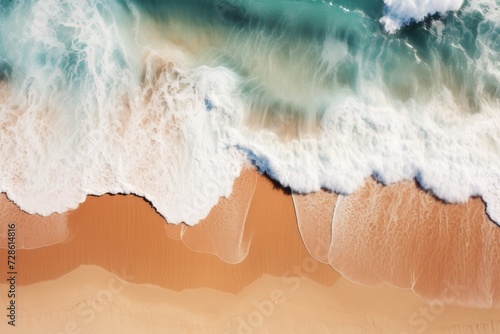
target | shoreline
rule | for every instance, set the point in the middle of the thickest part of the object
(272, 245)
(261, 218)
(125, 223)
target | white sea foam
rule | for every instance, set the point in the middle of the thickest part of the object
(401, 12)
(103, 129)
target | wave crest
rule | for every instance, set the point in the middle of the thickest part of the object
(401, 12)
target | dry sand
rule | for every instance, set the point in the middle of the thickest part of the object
(91, 300)
(170, 281)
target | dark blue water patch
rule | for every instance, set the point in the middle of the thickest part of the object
(6, 6)
(380, 178)
(262, 164)
(5, 71)
(208, 104)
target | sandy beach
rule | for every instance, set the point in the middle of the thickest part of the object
(246, 269)
(248, 167)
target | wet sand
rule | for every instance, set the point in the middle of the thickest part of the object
(124, 270)
(123, 233)
(36, 231)
(406, 237)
